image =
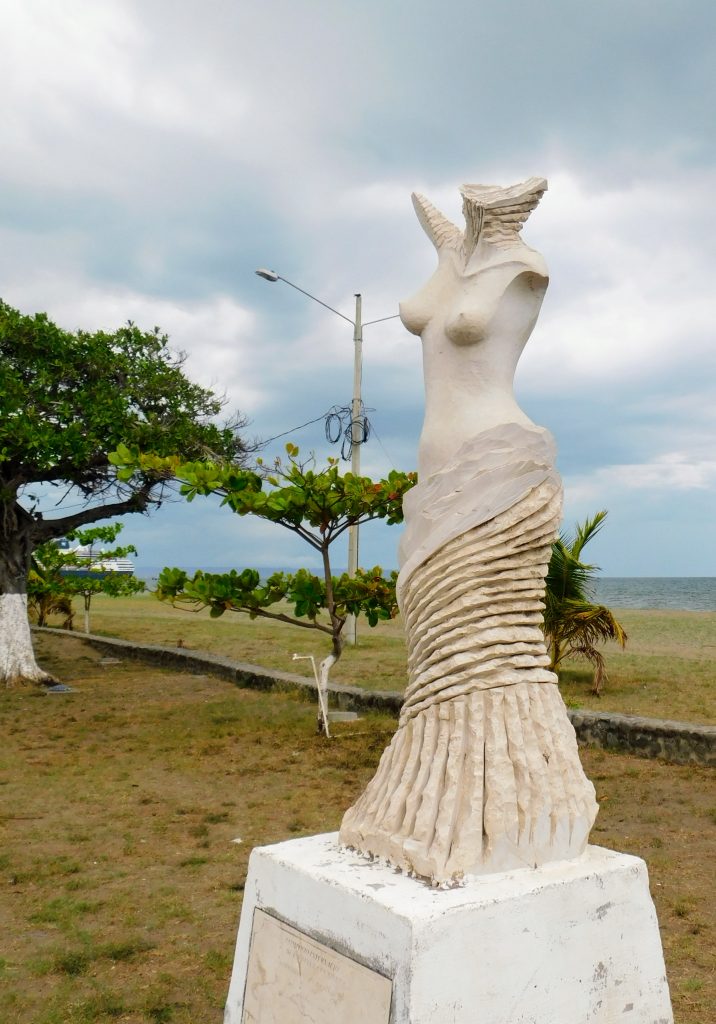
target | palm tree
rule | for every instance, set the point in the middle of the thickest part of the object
(44, 594)
(573, 624)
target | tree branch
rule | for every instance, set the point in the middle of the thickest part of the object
(312, 624)
(47, 529)
(65, 471)
(337, 622)
(360, 521)
(301, 531)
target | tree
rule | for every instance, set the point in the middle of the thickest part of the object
(58, 575)
(67, 400)
(318, 506)
(43, 597)
(573, 624)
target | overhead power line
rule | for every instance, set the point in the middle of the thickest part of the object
(340, 426)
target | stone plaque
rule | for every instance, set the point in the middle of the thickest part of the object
(292, 979)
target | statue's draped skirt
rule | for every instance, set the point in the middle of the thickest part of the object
(483, 772)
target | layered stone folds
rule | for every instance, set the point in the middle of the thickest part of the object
(483, 773)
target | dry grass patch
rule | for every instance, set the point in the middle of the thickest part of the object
(121, 883)
(668, 669)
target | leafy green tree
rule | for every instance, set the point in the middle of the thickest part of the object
(574, 625)
(59, 575)
(67, 400)
(319, 506)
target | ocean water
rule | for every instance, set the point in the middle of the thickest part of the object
(685, 593)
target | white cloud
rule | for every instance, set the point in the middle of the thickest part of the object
(667, 473)
(80, 78)
(215, 332)
(152, 152)
(632, 270)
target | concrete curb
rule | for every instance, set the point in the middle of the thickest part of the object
(675, 742)
(242, 673)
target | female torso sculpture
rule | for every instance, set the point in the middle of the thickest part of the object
(483, 772)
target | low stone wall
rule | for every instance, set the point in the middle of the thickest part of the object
(242, 673)
(676, 742)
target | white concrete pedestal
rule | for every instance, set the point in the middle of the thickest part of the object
(574, 942)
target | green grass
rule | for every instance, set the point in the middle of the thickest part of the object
(120, 877)
(668, 669)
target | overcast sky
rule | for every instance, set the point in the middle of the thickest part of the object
(155, 153)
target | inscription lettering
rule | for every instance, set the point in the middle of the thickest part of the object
(292, 979)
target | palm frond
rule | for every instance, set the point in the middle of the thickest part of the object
(573, 624)
(596, 658)
(592, 621)
(567, 577)
(588, 529)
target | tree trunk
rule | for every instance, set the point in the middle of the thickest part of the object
(17, 657)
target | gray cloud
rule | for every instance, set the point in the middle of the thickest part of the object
(155, 154)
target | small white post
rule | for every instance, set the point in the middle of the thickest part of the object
(322, 704)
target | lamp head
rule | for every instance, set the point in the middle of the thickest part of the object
(267, 275)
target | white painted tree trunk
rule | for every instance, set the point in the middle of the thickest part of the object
(17, 657)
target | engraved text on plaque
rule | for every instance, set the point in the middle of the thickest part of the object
(292, 979)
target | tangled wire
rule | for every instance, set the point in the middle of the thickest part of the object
(342, 427)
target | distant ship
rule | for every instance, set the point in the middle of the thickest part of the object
(96, 566)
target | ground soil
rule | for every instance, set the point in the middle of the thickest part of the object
(120, 809)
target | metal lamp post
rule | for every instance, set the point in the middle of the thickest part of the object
(357, 325)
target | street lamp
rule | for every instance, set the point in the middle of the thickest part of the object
(357, 325)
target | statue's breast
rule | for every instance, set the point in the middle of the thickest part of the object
(434, 298)
(468, 324)
(416, 314)
(462, 314)
(463, 306)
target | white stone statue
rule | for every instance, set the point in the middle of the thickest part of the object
(483, 773)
